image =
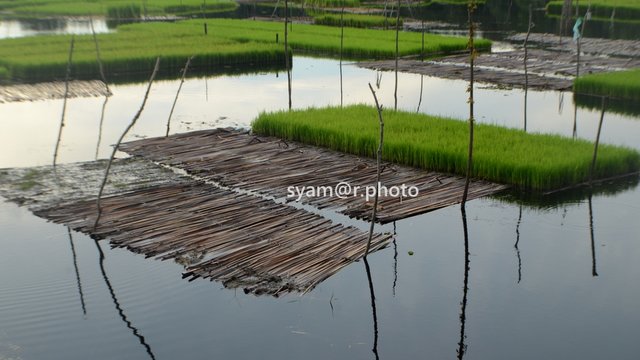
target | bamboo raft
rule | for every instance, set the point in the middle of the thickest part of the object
(241, 240)
(270, 166)
(51, 90)
(595, 46)
(548, 70)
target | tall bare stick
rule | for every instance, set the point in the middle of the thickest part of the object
(379, 161)
(526, 68)
(175, 100)
(64, 103)
(117, 145)
(595, 148)
(341, 48)
(98, 57)
(472, 54)
(106, 85)
(395, 91)
(286, 48)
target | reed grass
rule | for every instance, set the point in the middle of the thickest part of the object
(527, 161)
(620, 84)
(602, 9)
(355, 20)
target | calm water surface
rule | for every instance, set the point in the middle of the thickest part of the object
(544, 282)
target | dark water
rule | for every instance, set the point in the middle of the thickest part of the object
(550, 279)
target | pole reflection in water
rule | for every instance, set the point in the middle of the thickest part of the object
(104, 106)
(135, 331)
(594, 271)
(421, 89)
(373, 309)
(75, 266)
(395, 259)
(462, 347)
(516, 245)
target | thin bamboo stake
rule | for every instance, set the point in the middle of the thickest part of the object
(115, 148)
(526, 68)
(595, 148)
(106, 85)
(98, 57)
(64, 103)
(104, 107)
(341, 48)
(175, 100)
(395, 91)
(472, 54)
(378, 161)
(286, 48)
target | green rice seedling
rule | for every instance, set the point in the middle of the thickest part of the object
(620, 84)
(527, 161)
(355, 20)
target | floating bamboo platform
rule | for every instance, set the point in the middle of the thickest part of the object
(51, 90)
(548, 70)
(270, 166)
(595, 46)
(241, 240)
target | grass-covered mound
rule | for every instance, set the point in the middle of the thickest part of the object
(602, 9)
(101, 7)
(133, 48)
(358, 43)
(621, 84)
(528, 161)
(239, 43)
(355, 20)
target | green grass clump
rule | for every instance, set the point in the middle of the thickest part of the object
(355, 20)
(620, 84)
(528, 161)
(625, 9)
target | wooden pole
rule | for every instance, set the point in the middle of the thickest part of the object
(341, 48)
(286, 48)
(472, 54)
(526, 68)
(379, 162)
(395, 91)
(595, 148)
(64, 103)
(115, 147)
(175, 100)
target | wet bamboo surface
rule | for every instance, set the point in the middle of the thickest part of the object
(548, 70)
(269, 166)
(596, 46)
(241, 240)
(51, 90)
